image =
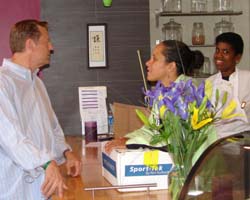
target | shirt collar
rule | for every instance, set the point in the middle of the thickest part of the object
(19, 69)
(232, 76)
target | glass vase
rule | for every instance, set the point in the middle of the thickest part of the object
(175, 183)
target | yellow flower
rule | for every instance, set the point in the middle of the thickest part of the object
(208, 89)
(227, 112)
(163, 109)
(202, 123)
(160, 97)
(194, 120)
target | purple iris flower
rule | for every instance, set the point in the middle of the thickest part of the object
(177, 96)
(152, 95)
(175, 100)
(169, 104)
(200, 93)
(189, 91)
(181, 107)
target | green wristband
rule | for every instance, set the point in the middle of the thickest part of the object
(46, 165)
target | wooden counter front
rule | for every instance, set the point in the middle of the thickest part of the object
(91, 176)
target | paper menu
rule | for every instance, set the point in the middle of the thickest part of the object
(93, 107)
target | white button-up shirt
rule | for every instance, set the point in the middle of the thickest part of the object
(238, 89)
(30, 134)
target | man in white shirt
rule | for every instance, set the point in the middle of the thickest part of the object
(32, 143)
(228, 52)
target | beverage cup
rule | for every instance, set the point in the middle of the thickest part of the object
(90, 131)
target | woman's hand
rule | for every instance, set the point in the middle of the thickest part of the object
(119, 143)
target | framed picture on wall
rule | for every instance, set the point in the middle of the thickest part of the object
(97, 45)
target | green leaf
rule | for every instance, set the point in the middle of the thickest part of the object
(142, 117)
(191, 106)
(224, 99)
(155, 139)
(203, 105)
(217, 96)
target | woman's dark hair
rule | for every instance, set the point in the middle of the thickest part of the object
(186, 60)
(233, 39)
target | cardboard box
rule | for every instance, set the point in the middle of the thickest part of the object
(126, 167)
(126, 119)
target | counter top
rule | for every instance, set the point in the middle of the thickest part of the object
(91, 176)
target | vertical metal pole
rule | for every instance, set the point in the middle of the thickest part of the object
(93, 194)
(148, 190)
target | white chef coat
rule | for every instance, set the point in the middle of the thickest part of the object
(238, 88)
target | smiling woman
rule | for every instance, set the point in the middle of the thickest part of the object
(228, 53)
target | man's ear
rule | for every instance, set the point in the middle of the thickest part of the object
(29, 45)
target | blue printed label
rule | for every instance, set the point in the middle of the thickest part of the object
(109, 164)
(143, 170)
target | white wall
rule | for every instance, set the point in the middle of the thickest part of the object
(241, 26)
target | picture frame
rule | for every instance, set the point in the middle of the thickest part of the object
(97, 45)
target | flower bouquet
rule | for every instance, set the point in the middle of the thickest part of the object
(185, 122)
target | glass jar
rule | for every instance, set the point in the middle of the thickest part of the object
(198, 35)
(213, 69)
(222, 27)
(222, 5)
(171, 5)
(206, 68)
(172, 30)
(198, 5)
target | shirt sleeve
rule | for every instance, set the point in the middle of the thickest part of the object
(13, 141)
(60, 144)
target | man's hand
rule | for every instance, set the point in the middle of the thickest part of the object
(53, 183)
(73, 164)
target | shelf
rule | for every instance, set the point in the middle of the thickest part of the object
(176, 14)
(204, 45)
(162, 14)
(201, 75)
